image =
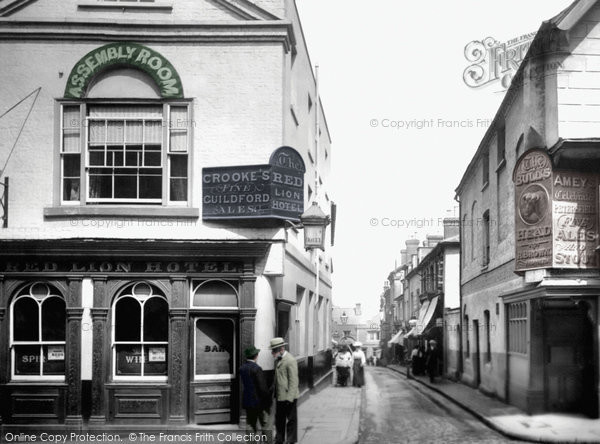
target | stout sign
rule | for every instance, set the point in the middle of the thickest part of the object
(275, 190)
(533, 211)
(556, 215)
(575, 212)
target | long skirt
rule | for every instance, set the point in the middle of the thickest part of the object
(359, 375)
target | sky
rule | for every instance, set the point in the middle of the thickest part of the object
(404, 124)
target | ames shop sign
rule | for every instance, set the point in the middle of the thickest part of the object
(274, 191)
(556, 215)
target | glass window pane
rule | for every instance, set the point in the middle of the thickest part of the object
(71, 189)
(26, 321)
(179, 166)
(129, 360)
(215, 294)
(71, 143)
(115, 132)
(150, 187)
(101, 185)
(126, 186)
(179, 117)
(178, 141)
(132, 156)
(71, 165)
(155, 360)
(54, 359)
(156, 320)
(127, 320)
(97, 131)
(53, 319)
(133, 132)
(153, 132)
(27, 359)
(152, 158)
(178, 190)
(97, 157)
(71, 117)
(214, 347)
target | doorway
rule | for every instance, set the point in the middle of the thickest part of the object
(569, 360)
(477, 354)
(213, 364)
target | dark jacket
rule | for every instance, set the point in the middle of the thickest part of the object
(256, 392)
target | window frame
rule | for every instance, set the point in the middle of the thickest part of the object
(166, 154)
(128, 291)
(40, 342)
(195, 284)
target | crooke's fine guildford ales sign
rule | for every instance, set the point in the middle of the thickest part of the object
(272, 191)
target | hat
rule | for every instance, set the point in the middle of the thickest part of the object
(251, 352)
(433, 341)
(276, 343)
(357, 344)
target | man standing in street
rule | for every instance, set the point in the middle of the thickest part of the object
(432, 360)
(257, 398)
(286, 393)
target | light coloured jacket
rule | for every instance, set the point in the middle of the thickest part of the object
(286, 378)
(344, 359)
(359, 356)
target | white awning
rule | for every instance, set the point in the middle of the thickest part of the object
(422, 312)
(429, 315)
(397, 339)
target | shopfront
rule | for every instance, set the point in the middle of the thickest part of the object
(153, 337)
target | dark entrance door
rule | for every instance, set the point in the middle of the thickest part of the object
(477, 355)
(568, 356)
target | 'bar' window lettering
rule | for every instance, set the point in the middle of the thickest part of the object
(37, 340)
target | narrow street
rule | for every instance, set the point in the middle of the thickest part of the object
(395, 410)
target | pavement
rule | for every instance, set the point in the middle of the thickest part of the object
(511, 421)
(330, 416)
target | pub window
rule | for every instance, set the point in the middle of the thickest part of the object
(124, 153)
(214, 293)
(486, 239)
(517, 327)
(485, 163)
(214, 349)
(37, 334)
(140, 333)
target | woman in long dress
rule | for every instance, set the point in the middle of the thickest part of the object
(359, 365)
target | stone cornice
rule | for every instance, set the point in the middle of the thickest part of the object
(178, 32)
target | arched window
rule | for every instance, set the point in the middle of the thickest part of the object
(214, 293)
(473, 222)
(140, 333)
(37, 334)
(464, 240)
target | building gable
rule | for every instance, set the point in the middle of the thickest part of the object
(156, 10)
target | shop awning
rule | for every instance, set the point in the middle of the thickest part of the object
(412, 333)
(397, 339)
(430, 312)
(422, 312)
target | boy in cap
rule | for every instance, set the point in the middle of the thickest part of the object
(287, 392)
(256, 399)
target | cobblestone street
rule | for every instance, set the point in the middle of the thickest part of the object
(395, 410)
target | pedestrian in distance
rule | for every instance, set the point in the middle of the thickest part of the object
(343, 364)
(414, 360)
(256, 399)
(286, 393)
(360, 360)
(432, 360)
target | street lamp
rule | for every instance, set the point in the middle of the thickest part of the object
(314, 222)
(344, 318)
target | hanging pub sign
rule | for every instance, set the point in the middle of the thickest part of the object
(533, 211)
(555, 215)
(275, 190)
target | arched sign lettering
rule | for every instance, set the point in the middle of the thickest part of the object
(124, 54)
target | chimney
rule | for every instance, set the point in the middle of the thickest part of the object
(411, 247)
(433, 240)
(403, 257)
(357, 310)
(451, 227)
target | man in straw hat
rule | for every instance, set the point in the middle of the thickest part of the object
(286, 393)
(256, 399)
